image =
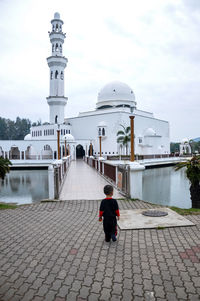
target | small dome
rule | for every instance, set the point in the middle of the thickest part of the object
(149, 132)
(185, 140)
(116, 94)
(68, 138)
(56, 16)
(27, 137)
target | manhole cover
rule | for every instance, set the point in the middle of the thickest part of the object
(154, 213)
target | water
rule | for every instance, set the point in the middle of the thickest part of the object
(160, 186)
(165, 186)
(24, 186)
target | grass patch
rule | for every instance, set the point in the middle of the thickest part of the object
(193, 211)
(4, 206)
(160, 227)
(48, 201)
(133, 200)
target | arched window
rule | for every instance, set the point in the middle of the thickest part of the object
(60, 27)
(53, 28)
(56, 27)
(60, 48)
(103, 132)
(56, 74)
(53, 48)
(57, 47)
(51, 74)
(56, 119)
(99, 131)
(61, 75)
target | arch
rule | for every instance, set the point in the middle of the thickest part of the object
(56, 47)
(1, 152)
(61, 48)
(57, 27)
(47, 152)
(62, 75)
(63, 151)
(56, 74)
(99, 131)
(56, 119)
(53, 28)
(51, 74)
(80, 153)
(14, 153)
(30, 153)
(53, 47)
(103, 132)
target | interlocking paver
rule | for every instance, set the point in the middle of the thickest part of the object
(56, 251)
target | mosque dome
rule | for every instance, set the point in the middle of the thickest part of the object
(116, 94)
(149, 132)
(27, 137)
(68, 138)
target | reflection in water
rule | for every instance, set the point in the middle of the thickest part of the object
(24, 186)
(165, 186)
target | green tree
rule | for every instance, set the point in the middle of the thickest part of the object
(4, 167)
(193, 174)
(14, 130)
(124, 136)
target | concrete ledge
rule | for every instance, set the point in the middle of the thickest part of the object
(134, 219)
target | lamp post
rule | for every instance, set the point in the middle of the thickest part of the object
(65, 147)
(132, 138)
(100, 145)
(58, 141)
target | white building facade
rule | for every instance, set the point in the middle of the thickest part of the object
(115, 104)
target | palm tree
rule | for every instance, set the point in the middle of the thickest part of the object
(4, 167)
(124, 136)
(193, 174)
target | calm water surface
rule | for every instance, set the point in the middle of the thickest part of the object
(165, 186)
(160, 186)
(24, 186)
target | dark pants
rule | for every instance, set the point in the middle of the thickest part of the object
(110, 227)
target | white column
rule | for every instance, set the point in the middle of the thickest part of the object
(136, 188)
(51, 182)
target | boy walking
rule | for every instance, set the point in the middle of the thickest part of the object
(109, 210)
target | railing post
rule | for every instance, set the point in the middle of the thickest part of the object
(116, 175)
(51, 182)
(136, 180)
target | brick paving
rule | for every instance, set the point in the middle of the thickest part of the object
(56, 251)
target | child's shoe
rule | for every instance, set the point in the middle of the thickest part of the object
(114, 238)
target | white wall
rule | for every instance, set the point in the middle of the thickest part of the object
(86, 127)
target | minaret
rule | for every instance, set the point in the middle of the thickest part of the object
(57, 63)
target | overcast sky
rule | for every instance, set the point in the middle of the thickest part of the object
(153, 46)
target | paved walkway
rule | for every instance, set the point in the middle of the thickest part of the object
(84, 183)
(56, 252)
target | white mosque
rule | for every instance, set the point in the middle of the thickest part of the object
(78, 135)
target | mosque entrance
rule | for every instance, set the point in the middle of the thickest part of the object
(80, 153)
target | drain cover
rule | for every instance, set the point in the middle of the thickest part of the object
(154, 213)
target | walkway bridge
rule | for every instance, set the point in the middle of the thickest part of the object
(84, 183)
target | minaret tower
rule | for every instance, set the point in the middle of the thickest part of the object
(57, 63)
